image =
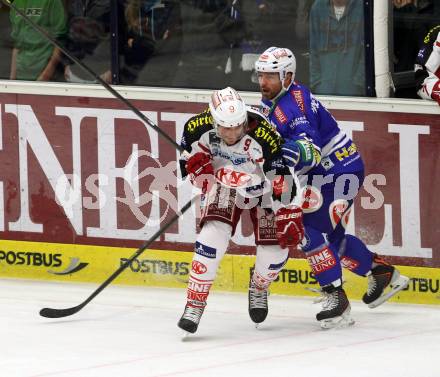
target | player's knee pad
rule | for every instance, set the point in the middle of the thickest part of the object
(355, 256)
(209, 249)
(269, 262)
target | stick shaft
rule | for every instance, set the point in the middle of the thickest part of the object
(59, 313)
(56, 313)
(140, 250)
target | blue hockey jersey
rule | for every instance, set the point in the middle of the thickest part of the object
(297, 115)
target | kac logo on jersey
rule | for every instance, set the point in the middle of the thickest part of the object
(198, 267)
(232, 178)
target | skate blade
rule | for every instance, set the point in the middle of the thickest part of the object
(340, 322)
(396, 286)
(186, 335)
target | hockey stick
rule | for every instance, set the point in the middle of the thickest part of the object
(38, 28)
(59, 313)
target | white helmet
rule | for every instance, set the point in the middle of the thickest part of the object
(277, 59)
(227, 108)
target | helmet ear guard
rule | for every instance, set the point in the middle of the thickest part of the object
(277, 59)
(227, 108)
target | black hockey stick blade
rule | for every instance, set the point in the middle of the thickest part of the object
(60, 313)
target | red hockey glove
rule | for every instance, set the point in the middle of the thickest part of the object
(200, 170)
(290, 228)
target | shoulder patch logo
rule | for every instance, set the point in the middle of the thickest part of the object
(265, 110)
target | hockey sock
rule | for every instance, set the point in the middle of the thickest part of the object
(355, 255)
(269, 262)
(209, 250)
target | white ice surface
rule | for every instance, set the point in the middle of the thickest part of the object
(132, 332)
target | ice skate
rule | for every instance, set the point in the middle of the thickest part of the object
(380, 278)
(335, 308)
(190, 319)
(258, 308)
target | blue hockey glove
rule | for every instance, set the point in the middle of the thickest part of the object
(291, 153)
(300, 153)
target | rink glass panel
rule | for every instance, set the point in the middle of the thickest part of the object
(411, 22)
(207, 44)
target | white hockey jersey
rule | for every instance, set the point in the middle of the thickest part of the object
(250, 165)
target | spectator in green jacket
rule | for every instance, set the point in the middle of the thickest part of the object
(33, 56)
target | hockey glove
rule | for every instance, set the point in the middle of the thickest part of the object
(290, 228)
(200, 170)
(300, 153)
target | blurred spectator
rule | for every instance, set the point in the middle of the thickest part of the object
(152, 47)
(412, 19)
(427, 67)
(33, 56)
(409, 29)
(88, 39)
(337, 56)
(301, 48)
(138, 42)
(302, 15)
(402, 3)
(208, 32)
(259, 25)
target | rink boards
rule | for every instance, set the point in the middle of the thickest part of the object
(163, 268)
(77, 169)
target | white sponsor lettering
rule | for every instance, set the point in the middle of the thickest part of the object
(409, 197)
